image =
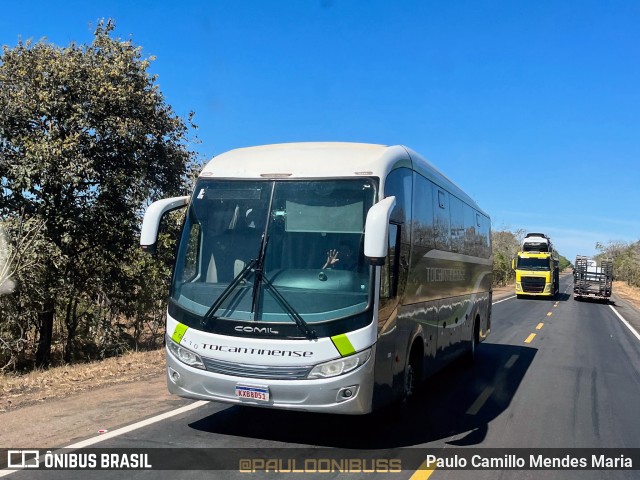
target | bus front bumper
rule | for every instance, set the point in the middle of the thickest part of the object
(349, 394)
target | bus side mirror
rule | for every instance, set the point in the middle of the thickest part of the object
(376, 230)
(513, 264)
(152, 217)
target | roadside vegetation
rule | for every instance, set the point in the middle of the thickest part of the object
(86, 141)
(626, 261)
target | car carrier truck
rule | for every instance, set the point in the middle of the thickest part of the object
(536, 267)
(591, 279)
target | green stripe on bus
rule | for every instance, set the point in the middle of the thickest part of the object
(179, 332)
(343, 345)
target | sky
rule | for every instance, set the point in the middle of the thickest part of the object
(531, 107)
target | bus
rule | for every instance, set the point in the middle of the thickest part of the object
(322, 277)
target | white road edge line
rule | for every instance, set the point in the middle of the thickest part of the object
(504, 299)
(480, 401)
(512, 360)
(135, 426)
(120, 431)
(626, 323)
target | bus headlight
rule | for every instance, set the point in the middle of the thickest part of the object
(340, 366)
(184, 355)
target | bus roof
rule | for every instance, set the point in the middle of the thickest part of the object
(325, 160)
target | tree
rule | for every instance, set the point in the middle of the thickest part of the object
(19, 292)
(563, 263)
(86, 139)
(626, 260)
(7, 264)
(505, 244)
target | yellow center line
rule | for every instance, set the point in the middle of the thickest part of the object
(530, 338)
(549, 314)
(424, 471)
(539, 326)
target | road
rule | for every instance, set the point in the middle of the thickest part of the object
(553, 374)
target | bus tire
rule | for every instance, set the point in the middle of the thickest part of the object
(475, 340)
(412, 375)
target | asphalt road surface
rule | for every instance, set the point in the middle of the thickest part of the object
(559, 374)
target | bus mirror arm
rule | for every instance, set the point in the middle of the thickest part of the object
(376, 230)
(152, 217)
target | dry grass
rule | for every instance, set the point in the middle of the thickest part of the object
(629, 293)
(40, 385)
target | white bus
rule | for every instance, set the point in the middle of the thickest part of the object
(325, 277)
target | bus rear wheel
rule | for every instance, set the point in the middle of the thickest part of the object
(475, 339)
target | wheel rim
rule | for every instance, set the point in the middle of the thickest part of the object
(408, 382)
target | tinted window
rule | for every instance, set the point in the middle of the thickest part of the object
(484, 236)
(398, 184)
(423, 235)
(470, 229)
(456, 215)
(441, 219)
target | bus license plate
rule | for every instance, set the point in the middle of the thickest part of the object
(253, 392)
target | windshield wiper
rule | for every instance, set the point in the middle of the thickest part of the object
(259, 275)
(210, 315)
(259, 270)
(300, 322)
(261, 278)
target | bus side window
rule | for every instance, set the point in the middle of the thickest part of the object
(189, 270)
(390, 269)
(456, 213)
(441, 219)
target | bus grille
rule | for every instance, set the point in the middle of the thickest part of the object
(533, 284)
(280, 372)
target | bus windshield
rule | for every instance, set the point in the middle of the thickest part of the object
(269, 251)
(525, 263)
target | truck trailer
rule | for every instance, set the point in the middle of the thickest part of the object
(591, 279)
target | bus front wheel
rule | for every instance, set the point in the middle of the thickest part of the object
(412, 375)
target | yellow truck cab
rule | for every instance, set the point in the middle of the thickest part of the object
(536, 267)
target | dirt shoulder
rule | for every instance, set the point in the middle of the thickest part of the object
(41, 385)
(627, 293)
(503, 292)
(57, 407)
